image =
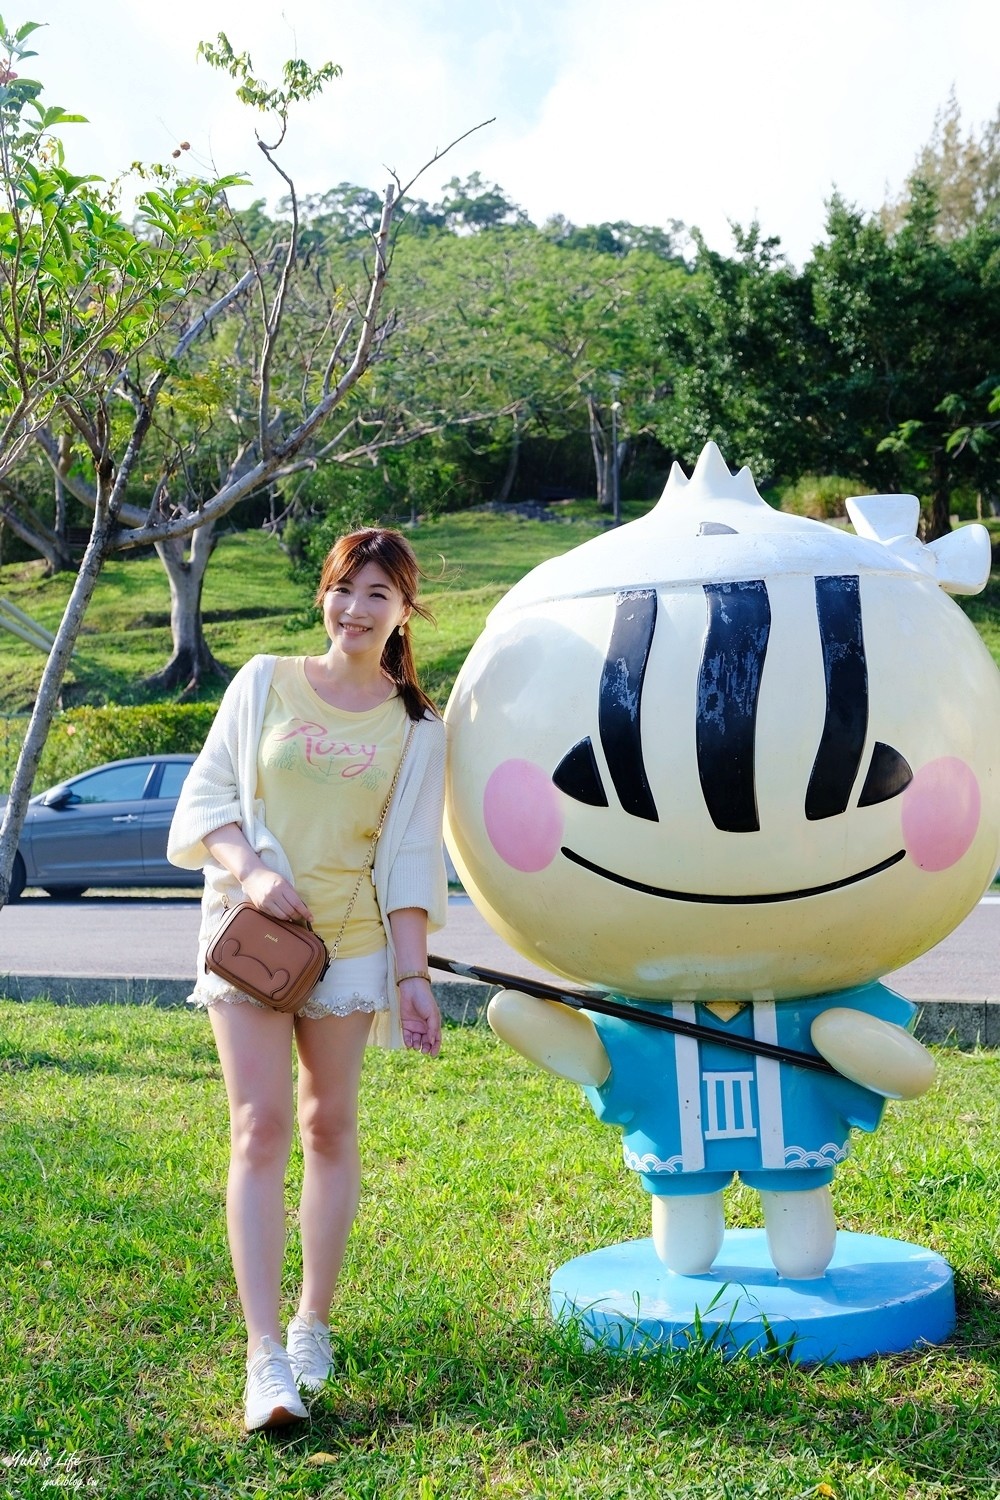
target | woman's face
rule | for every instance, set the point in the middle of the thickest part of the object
(361, 612)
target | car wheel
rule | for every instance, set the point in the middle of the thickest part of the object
(64, 892)
(16, 879)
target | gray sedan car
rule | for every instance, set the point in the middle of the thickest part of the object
(106, 827)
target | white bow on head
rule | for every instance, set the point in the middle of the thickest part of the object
(959, 562)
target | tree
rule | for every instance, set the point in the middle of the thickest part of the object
(877, 360)
(742, 351)
(206, 428)
(80, 292)
(73, 267)
(910, 321)
(472, 206)
(208, 412)
(536, 328)
(962, 171)
(617, 238)
(33, 505)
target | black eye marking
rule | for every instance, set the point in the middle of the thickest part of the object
(577, 775)
(739, 623)
(716, 528)
(621, 695)
(888, 775)
(838, 610)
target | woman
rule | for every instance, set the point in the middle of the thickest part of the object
(280, 809)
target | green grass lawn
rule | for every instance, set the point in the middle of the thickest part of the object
(120, 1338)
(252, 603)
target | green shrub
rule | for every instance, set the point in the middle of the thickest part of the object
(84, 737)
(821, 496)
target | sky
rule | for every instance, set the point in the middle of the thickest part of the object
(704, 111)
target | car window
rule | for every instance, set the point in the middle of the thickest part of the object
(115, 784)
(172, 779)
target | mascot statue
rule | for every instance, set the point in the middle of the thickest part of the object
(728, 767)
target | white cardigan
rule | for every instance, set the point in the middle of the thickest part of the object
(220, 788)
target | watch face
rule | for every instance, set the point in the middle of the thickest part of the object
(724, 751)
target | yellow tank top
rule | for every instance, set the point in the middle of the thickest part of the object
(323, 775)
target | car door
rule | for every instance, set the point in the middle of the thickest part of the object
(94, 837)
(158, 810)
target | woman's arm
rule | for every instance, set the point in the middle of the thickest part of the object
(416, 877)
(210, 797)
(264, 887)
(418, 1011)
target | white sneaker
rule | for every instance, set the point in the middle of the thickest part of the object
(308, 1345)
(271, 1398)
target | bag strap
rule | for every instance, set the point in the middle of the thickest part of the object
(370, 856)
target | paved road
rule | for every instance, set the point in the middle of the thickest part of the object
(966, 966)
(150, 935)
(154, 936)
(143, 944)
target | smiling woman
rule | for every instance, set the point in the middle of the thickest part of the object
(307, 757)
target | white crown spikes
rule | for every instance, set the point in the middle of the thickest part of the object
(711, 480)
(959, 562)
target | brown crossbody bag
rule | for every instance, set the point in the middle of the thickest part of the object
(279, 962)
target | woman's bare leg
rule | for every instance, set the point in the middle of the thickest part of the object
(255, 1052)
(331, 1055)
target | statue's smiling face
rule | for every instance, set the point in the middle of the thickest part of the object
(781, 784)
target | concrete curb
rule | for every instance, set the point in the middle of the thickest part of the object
(964, 1024)
(959, 1023)
(460, 1002)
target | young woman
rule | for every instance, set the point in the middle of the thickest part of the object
(280, 808)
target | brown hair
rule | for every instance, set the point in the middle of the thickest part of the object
(393, 554)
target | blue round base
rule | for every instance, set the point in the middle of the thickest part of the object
(878, 1296)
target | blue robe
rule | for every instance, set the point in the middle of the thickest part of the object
(692, 1113)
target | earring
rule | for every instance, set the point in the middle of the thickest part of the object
(401, 631)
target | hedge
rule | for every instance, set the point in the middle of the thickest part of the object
(81, 738)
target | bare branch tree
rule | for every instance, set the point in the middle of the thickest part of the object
(87, 400)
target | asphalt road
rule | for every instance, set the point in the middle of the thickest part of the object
(152, 935)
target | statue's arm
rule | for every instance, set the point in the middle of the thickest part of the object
(877, 1054)
(556, 1037)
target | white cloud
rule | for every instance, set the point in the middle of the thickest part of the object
(727, 111)
(652, 110)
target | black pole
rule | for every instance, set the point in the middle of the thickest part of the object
(595, 1000)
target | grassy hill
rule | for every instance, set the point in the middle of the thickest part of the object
(252, 603)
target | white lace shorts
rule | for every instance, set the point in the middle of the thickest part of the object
(349, 985)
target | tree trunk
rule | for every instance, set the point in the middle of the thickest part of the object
(65, 459)
(601, 447)
(191, 660)
(49, 688)
(48, 544)
(940, 498)
(515, 453)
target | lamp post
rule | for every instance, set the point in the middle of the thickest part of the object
(615, 377)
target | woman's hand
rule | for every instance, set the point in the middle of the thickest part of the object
(419, 1016)
(262, 886)
(418, 1012)
(273, 894)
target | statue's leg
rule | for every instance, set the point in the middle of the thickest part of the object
(801, 1231)
(688, 1230)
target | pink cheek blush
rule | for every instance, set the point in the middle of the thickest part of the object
(940, 813)
(522, 815)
